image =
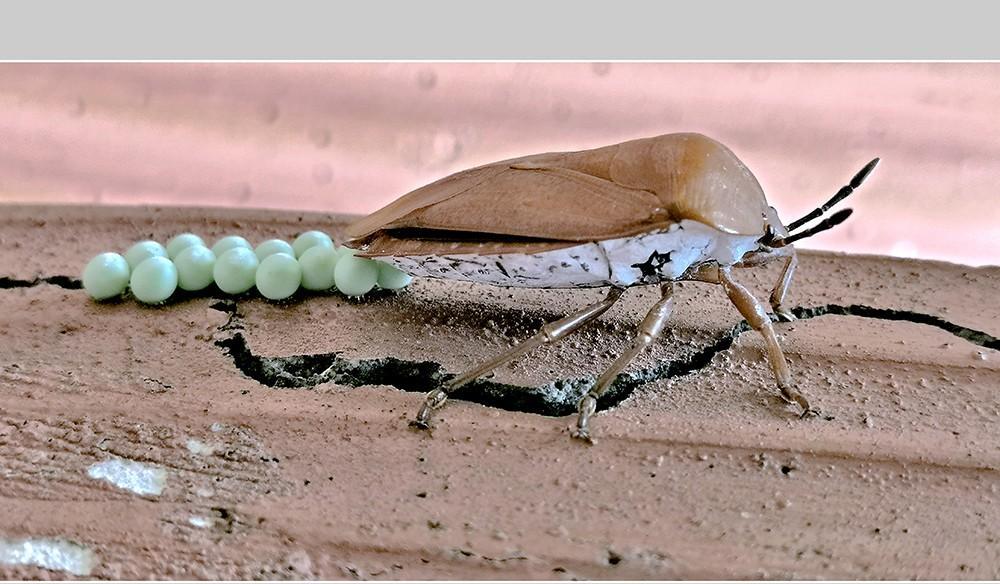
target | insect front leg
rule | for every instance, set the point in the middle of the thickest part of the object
(781, 288)
(754, 259)
(649, 330)
(550, 333)
(753, 311)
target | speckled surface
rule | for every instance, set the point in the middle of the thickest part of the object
(704, 475)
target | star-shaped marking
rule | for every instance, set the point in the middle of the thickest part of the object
(651, 267)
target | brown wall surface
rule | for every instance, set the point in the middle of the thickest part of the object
(349, 137)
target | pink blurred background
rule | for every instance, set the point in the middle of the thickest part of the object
(350, 137)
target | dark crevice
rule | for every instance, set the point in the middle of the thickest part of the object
(557, 398)
(61, 281)
(973, 336)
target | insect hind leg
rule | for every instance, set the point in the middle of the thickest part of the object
(549, 333)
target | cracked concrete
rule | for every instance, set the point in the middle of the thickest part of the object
(66, 282)
(308, 371)
(703, 475)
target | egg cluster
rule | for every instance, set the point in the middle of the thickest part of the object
(153, 272)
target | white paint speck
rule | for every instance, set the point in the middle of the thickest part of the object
(52, 554)
(200, 521)
(217, 427)
(199, 447)
(130, 475)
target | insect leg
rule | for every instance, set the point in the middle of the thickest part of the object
(753, 311)
(708, 273)
(781, 288)
(649, 330)
(549, 333)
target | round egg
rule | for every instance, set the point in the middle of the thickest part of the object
(229, 242)
(142, 251)
(179, 243)
(278, 276)
(310, 239)
(154, 280)
(392, 278)
(235, 270)
(318, 263)
(355, 276)
(195, 268)
(273, 246)
(106, 276)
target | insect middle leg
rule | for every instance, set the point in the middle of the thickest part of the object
(550, 333)
(754, 313)
(649, 330)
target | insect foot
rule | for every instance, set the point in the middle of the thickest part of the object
(793, 397)
(783, 314)
(434, 400)
(809, 413)
(586, 408)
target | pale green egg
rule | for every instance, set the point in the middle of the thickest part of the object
(317, 264)
(278, 276)
(229, 242)
(154, 280)
(392, 278)
(235, 270)
(142, 251)
(106, 276)
(355, 276)
(195, 266)
(273, 246)
(310, 239)
(179, 243)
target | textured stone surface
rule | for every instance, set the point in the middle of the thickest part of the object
(282, 427)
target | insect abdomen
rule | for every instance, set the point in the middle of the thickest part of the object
(629, 261)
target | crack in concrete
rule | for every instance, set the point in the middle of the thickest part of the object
(61, 281)
(557, 398)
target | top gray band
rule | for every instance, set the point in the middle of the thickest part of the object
(499, 30)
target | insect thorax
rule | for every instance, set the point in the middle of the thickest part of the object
(629, 261)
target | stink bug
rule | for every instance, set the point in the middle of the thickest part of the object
(651, 211)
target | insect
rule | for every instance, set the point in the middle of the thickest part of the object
(651, 211)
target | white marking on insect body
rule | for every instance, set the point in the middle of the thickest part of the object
(642, 259)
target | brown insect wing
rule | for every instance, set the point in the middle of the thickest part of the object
(590, 195)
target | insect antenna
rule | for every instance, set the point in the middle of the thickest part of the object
(840, 196)
(831, 221)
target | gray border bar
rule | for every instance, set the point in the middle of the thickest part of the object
(499, 30)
